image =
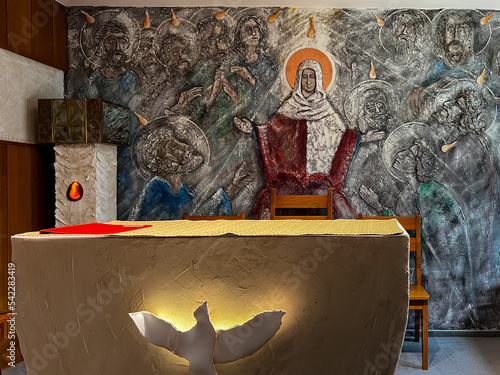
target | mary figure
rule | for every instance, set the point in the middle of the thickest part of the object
(306, 148)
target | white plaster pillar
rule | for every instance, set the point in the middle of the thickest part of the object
(93, 165)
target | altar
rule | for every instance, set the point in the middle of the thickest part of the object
(343, 286)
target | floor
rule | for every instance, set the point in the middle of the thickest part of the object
(452, 356)
(447, 356)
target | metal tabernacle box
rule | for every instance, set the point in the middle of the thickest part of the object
(82, 121)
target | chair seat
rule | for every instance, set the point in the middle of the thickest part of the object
(417, 292)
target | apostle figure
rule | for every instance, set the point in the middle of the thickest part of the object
(306, 147)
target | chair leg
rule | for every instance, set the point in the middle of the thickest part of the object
(425, 337)
(417, 325)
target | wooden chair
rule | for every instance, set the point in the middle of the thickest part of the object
(302, 201)
(3, 320)
(186, 216)
(419, 298)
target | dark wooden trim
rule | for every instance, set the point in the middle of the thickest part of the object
(41, 27)
(3, 24)
(4, 228)
(42, 31)
(19, 26)
(60, 59)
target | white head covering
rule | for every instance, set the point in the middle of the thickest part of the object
(314, 107)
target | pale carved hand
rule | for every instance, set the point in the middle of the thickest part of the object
(370, 198)
(372, 136)
(186, 97)
(229, 90)
(243, 124)
(241, 178)
(243, 73)
(216, 87)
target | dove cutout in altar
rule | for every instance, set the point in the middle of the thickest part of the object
(202, 345)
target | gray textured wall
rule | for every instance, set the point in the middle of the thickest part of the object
(418, 88)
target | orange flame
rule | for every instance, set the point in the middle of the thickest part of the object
(446, 148)
(221, 15)
(75, 191)
(312, 32)
(175, 20)
(480, 79)
(273, 17)
(142, 120)
(373, 73)
(380, 21)
(89, 18)
(147, 24)
(485, 20)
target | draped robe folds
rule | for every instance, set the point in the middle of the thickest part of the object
(283, 144)
(306, 147)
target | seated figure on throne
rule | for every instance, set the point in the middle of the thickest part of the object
(306, 148)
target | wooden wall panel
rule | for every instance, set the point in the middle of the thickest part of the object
(19, 189)
(3, 24)
(59, 38)
(4, 241)
(19, 25)
(42, 188)
(42, 31)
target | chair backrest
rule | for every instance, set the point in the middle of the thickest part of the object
(408, 223)
(302, 201)
(186, 216)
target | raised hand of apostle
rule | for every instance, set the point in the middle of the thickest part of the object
(186, 97)
(241, 178)
(370, 198)
(243, 124)
(243, 73)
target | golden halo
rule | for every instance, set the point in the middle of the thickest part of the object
(309, 54)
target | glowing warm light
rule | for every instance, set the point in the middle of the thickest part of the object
(147, 24)
(142, 120)
(75, 191)
(202, 345)
(312, 32)
(175, 20)
(273, 17)
(221, 15)
(446, 148)
(88, 17)
(485, 20)
(480, 79)
(380, 21)
(373, 73)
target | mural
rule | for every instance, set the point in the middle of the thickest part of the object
(394, 109)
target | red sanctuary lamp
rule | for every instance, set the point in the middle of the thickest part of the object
(75, 191)
(86, 133)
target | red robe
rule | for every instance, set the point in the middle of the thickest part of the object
(282, 146)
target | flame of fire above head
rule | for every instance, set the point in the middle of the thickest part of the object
(373, 73)
(142, 120)
(147, 24)
(380, 21)
(485, 20)
(221, 15)
(480, 79)
(312, 32)
(175, 20)
(446, 148)
(88, 17)
(273, 17)
(75, 191)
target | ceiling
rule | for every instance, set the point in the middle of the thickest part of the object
(430, 4)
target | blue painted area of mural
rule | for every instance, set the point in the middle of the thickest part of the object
(416, 96)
